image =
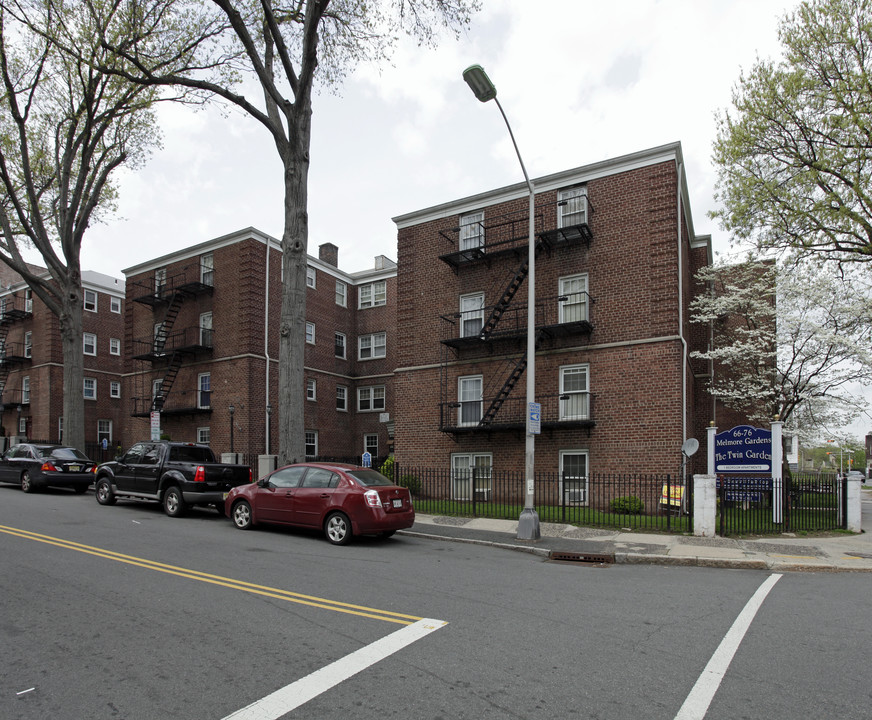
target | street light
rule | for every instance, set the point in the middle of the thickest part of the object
(528, 523)
(232, 410)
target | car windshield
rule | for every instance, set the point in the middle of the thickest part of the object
(369, 478)
(63, 453)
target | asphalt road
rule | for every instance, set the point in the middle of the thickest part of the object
(122, 612)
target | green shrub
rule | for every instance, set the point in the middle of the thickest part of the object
(627, 505)
(410, 482)
(387, 468)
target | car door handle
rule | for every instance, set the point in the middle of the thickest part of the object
(325, 495)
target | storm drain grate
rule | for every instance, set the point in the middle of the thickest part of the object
(581, 557)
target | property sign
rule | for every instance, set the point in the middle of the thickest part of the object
(744, 449)
(366, 459)
(155, 426)
(534, 418)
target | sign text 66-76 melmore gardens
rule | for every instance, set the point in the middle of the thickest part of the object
(743, 449)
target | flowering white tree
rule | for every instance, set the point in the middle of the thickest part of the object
(787, 339)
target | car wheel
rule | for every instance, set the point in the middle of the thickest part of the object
(338, 529)
(173, 502)
(242, 515)
(26, 483)
(80, 489)
(103, 492)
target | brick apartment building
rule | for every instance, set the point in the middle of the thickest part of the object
(202, 327)
(616, 255)
(31, 361)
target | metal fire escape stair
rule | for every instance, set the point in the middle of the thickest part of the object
(166, 383)
(175, 304)
(4, 366)
(160, 340)
(505, 300)
(518, 369)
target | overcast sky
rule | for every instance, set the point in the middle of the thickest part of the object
(582, 82)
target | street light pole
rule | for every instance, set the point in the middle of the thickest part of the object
(232, 410)
(528, 523)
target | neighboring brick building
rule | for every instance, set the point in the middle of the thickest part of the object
(202, 325)
(31, 361)
(616, 255)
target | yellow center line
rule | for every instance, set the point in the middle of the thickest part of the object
(241, 585)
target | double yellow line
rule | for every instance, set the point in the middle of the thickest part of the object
(241, 585)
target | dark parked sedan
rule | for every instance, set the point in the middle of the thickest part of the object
(35, 466)
(341, 500)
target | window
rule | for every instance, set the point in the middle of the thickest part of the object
(89, 343)
(61, 429)
(472, 231)
(471, 314)
(574, 393)
(90, 300)
(372, 295)
(25, 389)
(311, 443)
(573, 298)
(371, 346)
(573, 476)
(469, 397)
(371, 398)
(160, 338)
(204, 436)
(160, 281)
(104, 431)
(572, 207)
(310, 333)
(206, 329)
(90, 389)
(114, 346)
(310, 277)
(204, 390)
(155, 388)
(471, 472)
(28, 344)
(341, 398)
(339, 345)
(22, 426)
(28, 300)
(341, 293)
(370, 444)
(310, 390)
(115, 304)
(207, 269)
(115, 389)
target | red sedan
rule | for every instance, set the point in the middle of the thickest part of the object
(342, 500)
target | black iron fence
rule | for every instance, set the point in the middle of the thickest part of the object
(632, 501)
(809, 502)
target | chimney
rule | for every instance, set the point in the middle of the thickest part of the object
(329, 253)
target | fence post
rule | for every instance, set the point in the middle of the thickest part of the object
(853, 511)
(705, 503)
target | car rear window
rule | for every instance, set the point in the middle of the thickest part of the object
(191, 454)
(369, 478)
(64, 453)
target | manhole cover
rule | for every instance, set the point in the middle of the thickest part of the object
(581, 558)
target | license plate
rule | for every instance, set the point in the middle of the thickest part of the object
(398, 503)
(74, 468)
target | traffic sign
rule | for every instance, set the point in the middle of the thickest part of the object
(534, 418)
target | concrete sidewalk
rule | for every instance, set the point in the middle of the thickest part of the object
(567, 543)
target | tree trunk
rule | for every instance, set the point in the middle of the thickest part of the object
(74, 373)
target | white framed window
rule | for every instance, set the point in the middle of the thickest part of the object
(310, 333)
(311, 441)
(90, 300)
(471, 314)
(573, 298)
(372, 294)
(371, 346)
(572, 207)
(370, 444)
(114, 389)
(155, 388)
(469, 396)
(89, 343)
(104, 431)
(25, 389)
(90, 388)
(575, 392)
(574, 476)
(207, 269)
(371, 398)
(310, 390)
(61, 429)
(310, 277)
(472, 231)
(114, 346)
(206, 329)
(204, 390)
(160, 339)
(341, 293)
(28, 344)
(160, 281)
(471, 474)
(342, 398)
(28, 300)
(204, 435)
(115, 305)
(339, 345)
(22, 426)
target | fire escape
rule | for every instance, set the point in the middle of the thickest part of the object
(480, 332)
(169, 347)
(13, 309)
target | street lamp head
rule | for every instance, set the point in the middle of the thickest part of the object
(268, 409)
(479, 83)
(232, 409)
